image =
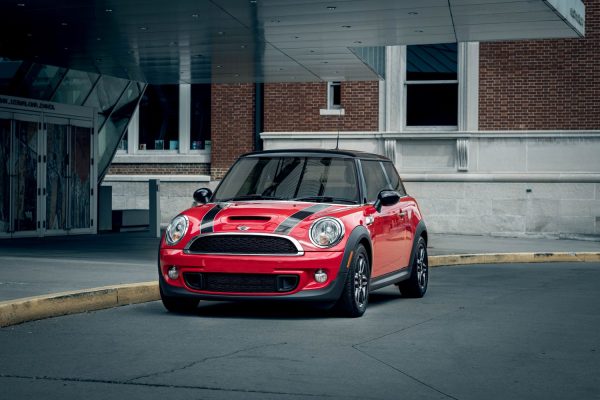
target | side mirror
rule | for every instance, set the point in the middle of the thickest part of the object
(203, 195)
(386, 198)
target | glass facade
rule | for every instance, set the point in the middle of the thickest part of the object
(115, 99)
(200, 117)
(159, 118)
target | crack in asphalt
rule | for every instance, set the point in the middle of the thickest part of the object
(193, 363)
(355, 347)
(159, 385)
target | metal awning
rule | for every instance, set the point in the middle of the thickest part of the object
(192, 41)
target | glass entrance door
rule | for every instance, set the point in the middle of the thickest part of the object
(57, 173)
(5, 145)
(80, 172)
(24, 185)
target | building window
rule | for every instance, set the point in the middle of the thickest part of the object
(431, 86)
(334, 95)
(200, 117)
(159, 118)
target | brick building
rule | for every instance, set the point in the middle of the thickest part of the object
(492, 138)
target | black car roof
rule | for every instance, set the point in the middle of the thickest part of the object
(317, 152)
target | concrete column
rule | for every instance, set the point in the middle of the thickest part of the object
(104, 208)
(154, 207)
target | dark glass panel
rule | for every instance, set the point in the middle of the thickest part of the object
(8, 69)
(80, 177)
(105, 95)
(159, 117)
(56, 177)
(432, 105)
(25, 168)
(75, 87)
(200, 116)
(112, 131)
(4, 175)
(431, 62)
(40, 82)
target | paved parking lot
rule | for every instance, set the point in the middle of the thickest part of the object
(482, 332)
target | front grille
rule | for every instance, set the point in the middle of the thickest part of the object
(240, 283)
(242, 244)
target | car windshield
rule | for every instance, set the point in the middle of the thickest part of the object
(318, 179)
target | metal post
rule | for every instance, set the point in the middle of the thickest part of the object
(154, 203)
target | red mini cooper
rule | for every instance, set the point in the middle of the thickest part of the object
(323, 226)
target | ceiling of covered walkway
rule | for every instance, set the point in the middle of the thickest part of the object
(192, 41)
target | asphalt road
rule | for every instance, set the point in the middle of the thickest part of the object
(482, 332)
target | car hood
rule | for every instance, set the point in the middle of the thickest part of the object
(280, 217)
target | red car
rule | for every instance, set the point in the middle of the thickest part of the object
(324, 226)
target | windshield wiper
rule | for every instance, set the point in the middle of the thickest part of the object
(325, 199)
(255, 196)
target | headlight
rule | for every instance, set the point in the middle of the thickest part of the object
(177, 229)
(326, 232)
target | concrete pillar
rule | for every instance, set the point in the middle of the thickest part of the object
(154, 209)
(105, 208)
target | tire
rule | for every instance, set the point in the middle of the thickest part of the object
(416, 285)
(355, 295)
(178, 305)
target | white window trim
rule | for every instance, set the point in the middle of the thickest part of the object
(331, 108)
(393, 106)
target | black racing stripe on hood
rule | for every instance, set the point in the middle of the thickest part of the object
(206, 226)
(294, 219)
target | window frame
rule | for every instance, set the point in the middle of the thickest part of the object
(405, 83)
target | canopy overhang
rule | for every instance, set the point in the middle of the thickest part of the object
(191, 41)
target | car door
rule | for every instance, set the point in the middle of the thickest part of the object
(386, 226)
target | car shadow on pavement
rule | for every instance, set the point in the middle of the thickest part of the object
(271, 309)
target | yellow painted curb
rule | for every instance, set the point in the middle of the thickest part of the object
(27, 309)
(503, 258)
(53, 305)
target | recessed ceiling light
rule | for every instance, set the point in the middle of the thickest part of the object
(242, 46)
(195, 15)
(331, 8)
(66, 48)
(108, 10)
(413, 13)
(252, 1)
(29, 34)
(64, 24)
(98, 39)
(20, 4)
(143, 28)
(220, 33)
(219, 66)
(236, 75)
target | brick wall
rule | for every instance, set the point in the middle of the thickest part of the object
(232, 124)
(159, 169)
(542, 84)
(293, 107)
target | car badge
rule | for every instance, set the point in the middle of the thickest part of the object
(242, 228)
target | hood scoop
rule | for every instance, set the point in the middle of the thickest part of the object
(255, 218)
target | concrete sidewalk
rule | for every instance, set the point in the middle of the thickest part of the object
(38, 266)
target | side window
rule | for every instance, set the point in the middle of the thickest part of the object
(374, 178)
(394, 178)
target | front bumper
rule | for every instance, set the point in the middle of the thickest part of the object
(302, 266)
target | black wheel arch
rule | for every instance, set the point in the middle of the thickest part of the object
(421, 231)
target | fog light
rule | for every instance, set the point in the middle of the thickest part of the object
(173, 273)
(320, 276)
